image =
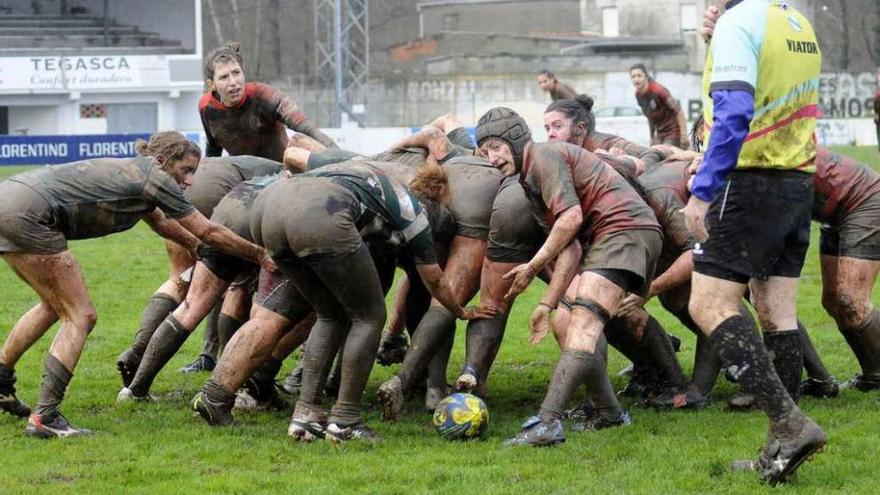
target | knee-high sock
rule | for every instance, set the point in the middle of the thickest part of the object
(437, 365)
(483, 341)
(741, 350)
(262, 382)
(812, 362)
(571, 371)
(599, 389)
(158, 308)
(358, 358)
(322, 345)
(864, 340)
(434, 328)
(211, 340)
(786, 351)
(55, 380)
(226, 328)
(167, 340)
(662, 354)
(707, 365)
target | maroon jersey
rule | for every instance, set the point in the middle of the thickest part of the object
(840, 184)
(256, 125)
(661, 109)
(666, 190)
(562, 91)
(557, 176)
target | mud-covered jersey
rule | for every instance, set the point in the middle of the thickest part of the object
(257, 125)
(389, 210)
(94, 198)
(603, 141)
(840, 184)
(234, 210)
(558, 176)
(666, 190)
(216, 176)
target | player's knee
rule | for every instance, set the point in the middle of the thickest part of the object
(850, 310)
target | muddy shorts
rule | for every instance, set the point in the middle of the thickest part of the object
(627, 258)
(854, 234)
(759, 226)
(514, 233)
(277, 293)
(232, 214)
(322, 220)
(27, 223)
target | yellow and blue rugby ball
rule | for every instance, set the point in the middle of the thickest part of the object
(461, 417)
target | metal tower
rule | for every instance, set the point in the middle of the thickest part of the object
(342, 51)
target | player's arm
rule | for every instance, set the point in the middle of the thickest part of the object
(172, 230)
(288, 112)
(212, 147)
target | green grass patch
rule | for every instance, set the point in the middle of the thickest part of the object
(161, 448)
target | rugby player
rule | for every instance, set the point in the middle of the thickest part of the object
(666, 120)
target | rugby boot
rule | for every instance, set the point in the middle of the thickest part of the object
(742, 401)
(303, 430)
(538, 433)
(392, 349)
(260, 395)
(126, 395)
(41, 426)
(675, 399)
(862, 382)
(202, 363)
(293, 381)
(9, 403)
(598, 422)
(215, 413)
(642, 384)
(820, 388)
(338, 434)
(390, 397)
(433, 396)
(788, 446)
(127, 365)
(582, 411)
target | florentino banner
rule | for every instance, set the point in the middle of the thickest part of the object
(42, 150)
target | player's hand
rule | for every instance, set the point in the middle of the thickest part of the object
(695, 218)
(522, 276)
(481, 312)
(540, 323)
(266, 262)
(710, 17)
(630, 303)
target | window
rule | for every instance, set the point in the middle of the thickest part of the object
(93, 111)
(688, 17)
(610, 25)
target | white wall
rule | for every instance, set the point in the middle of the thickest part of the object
(37, 120)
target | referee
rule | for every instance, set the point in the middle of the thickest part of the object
(750, 211)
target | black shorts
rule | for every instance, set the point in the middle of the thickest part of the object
(759, 226)
(854, 234)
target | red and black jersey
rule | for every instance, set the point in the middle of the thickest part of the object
(257, 125)
(557, 176)
(840, 184)
(661, 109)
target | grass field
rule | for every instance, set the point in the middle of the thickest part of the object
(161, 448)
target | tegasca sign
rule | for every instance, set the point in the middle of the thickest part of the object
(83, 72)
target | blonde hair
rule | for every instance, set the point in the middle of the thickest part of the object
(167, 145)
(432, 183)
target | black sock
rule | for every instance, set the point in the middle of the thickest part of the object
(436, 325)
(707, 365)
(7, 375)
(55, 380)
(786, 351)
(226, 328)
(211, 340)
(262, 381)
(218, 393)
(812, 362)
(167, 340)
(158, 308)
(741, 350)
(864, 340)
(662, 353)
(571, 371)
(483, 340)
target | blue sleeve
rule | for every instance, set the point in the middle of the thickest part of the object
(733, 112)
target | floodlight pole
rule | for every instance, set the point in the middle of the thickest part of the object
(342, 53)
